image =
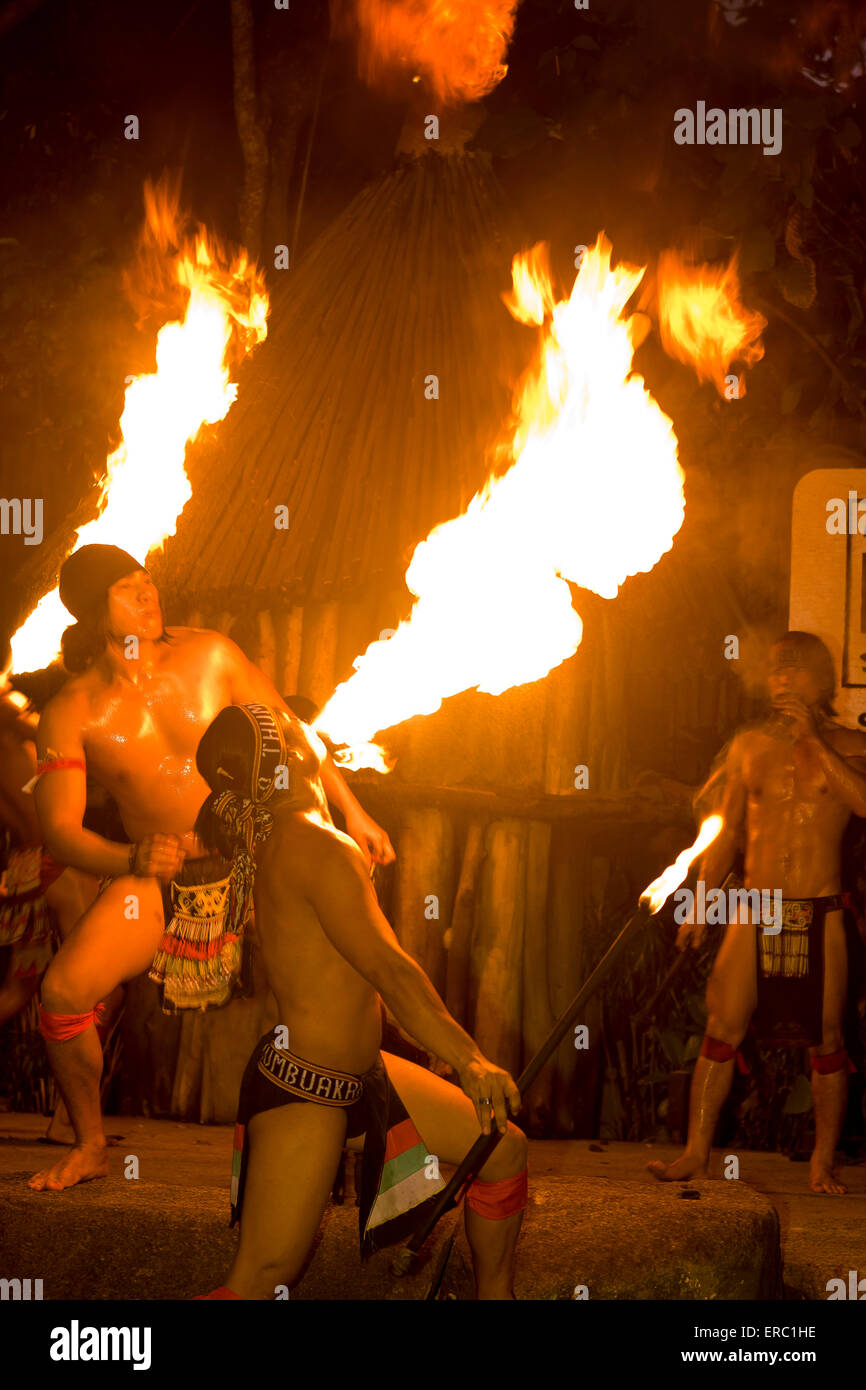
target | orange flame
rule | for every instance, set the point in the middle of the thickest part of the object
(595, 494)
(145, 487)
(657, 893)
(703, 320)
(458, 46)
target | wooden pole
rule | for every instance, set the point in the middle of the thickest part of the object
(497, 944)
(459, 934)
(424, 890)
(267, 644)
(316, 673)
(538, 1015)
(291, 629)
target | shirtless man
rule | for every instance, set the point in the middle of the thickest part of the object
(791, 787)
(26, 925)
(330, 954)
(132, 715)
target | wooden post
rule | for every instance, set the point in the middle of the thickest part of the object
(497, 945)
(538, 1016)
(424, 888)
(267, 644)
(290, 625)
(566, 960)
(459, 934)
(186, 1092)
(316, 673)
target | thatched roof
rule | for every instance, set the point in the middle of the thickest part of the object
(331, 418)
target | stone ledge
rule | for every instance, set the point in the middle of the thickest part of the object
(621, 1239)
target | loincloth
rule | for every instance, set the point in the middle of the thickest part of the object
(395, 1186)
(26, 923)
(202, 961)
(790, 1009)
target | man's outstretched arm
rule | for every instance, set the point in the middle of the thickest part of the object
(334, 880)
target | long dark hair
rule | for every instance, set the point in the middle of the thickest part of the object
(85, 641)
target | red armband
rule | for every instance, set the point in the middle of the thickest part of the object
(58, 764)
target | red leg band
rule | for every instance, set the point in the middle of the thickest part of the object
(99, 1023)
(62, 1027)
(497, 1200)
(831, 1061)
(221, 1293)
(716, 1050)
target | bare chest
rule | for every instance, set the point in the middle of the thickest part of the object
(779, 773)
(151, 727)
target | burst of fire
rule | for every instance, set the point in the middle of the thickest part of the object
(657, 893)
(594, 494)
(145, 488)
(703, 321)
(458, 48)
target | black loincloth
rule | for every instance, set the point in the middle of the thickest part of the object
(395, 1184)
(790, 974)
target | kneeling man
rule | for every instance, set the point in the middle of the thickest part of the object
(319, 1078)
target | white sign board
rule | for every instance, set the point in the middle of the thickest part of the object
(828, 577)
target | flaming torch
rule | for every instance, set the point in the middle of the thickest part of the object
(145, 488)
(651, 901)
(594, 493)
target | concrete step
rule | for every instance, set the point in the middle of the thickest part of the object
(115, 1239)
(596, 1222)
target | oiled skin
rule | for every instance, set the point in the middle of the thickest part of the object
(792, 822)
(791, 787)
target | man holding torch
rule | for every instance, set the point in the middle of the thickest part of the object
(140, 698)
(320, 1077)
(791, 786)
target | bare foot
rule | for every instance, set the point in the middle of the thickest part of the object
(62, 1133)
(688, 1166)
(822, 1178)
(81, 1164)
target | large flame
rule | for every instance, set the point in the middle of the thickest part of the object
(703, 320)
(595, 494)
(657, 893)
(145, 488)
(457, 46)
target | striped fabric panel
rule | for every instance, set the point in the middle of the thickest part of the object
(237, 1156)
(403, 1184)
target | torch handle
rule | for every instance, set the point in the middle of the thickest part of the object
(486, 1143)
